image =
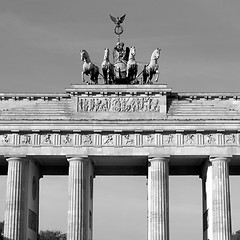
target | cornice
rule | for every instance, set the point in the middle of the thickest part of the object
(205, 95)
(33, 96)
(77, 89)
(166, 126)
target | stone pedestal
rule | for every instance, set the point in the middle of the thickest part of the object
(80, 199)
(221, 210)
(14, 213)
(158, 199)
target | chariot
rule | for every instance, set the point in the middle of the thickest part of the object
(124, 69)
(120, 71)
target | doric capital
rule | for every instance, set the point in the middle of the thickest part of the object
(16, 158)
(78, 159)
(159, 158)
(219, 159)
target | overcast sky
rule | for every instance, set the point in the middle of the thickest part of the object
(41, 39)
(39, 52)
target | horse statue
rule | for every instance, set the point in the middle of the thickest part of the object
(89, 67)
(107, 68)
(152, 68)
(132, 67)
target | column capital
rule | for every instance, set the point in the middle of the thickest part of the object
(16, 158)
(159, 158)
(219, 159)
(78, 158)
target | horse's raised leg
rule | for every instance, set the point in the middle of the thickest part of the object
(128, 68)
(83, 80)
(96, 77)
(150, 77)
(111, 75)
(157, 75)
(119, 75)
(108, 75)
(136, 71)
(145, 75)
(104, 72)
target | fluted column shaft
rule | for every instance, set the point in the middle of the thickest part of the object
(14, 219)
(206, 176)
(221, 199)
(158, 199)
(77, 216)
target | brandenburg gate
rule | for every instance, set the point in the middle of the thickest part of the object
(92, 130)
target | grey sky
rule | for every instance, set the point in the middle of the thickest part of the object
(40, 41)
(200, 40)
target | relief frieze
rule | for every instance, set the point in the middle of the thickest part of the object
(210, 139)
(168, 139)
(128, 139)
(108, 139)
(190, 139)
(26, 139)
(87, 139)
(119, 139)
(230, 139)
(47, 139)
(67, 139)
(119, 104)
(6, 139)
(150, 139)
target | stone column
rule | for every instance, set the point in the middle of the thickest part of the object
(206, 177)
(221, 215)
(77, 208)
(14, 213)
(158, 199)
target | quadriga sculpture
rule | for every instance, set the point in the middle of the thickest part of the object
(89, 68)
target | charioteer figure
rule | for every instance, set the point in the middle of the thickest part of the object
(119, 53)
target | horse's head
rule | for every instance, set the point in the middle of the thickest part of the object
(106, 53)
(156, 54)
(132, 51)
(84, 55)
